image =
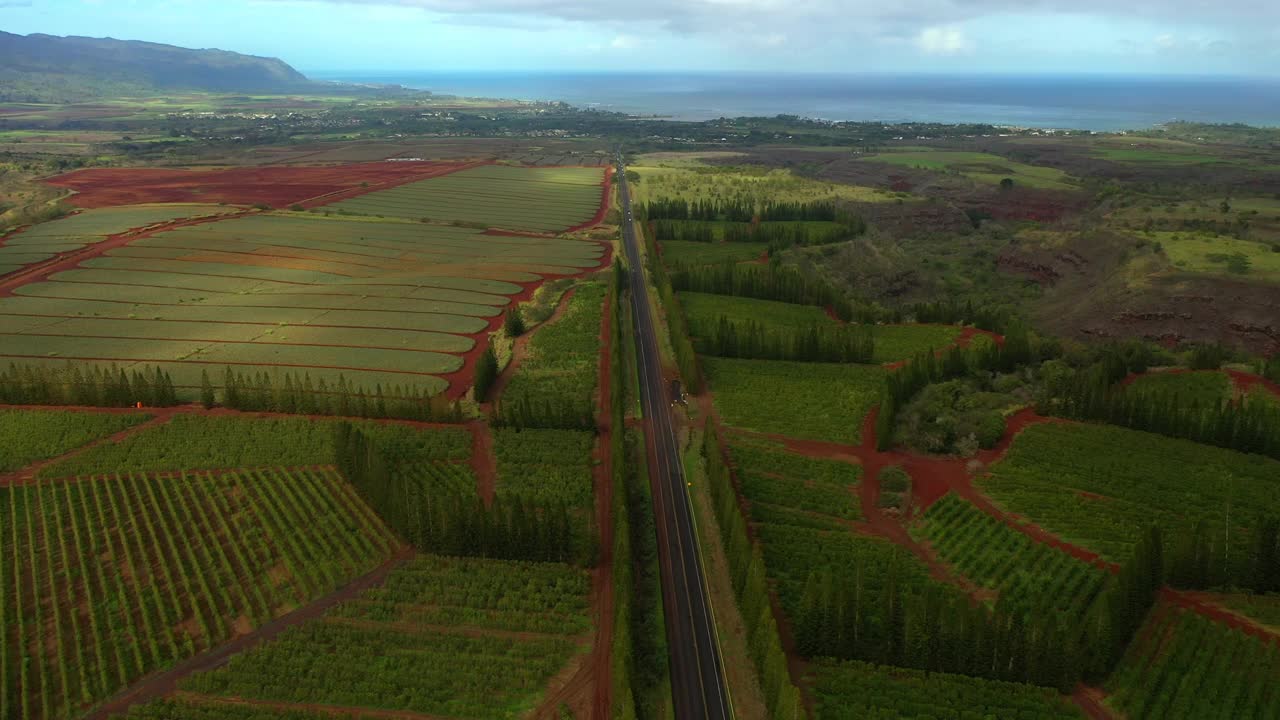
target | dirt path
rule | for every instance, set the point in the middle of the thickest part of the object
(1199, 603)
(160, 684)
(1091, 701)
(483, 462)
(606, 192)
(248, 704)
(28, 474)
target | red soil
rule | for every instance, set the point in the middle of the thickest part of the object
(520, 350)
(483, 461)
(1200, 603)
(1091, 701)
(27, 475)
(274, 185)
(1242, 382)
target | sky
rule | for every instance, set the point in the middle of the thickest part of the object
(1174, 37)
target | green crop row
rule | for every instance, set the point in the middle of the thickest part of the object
(545, 466)
(1024, 572)
(29, 436)
(110, 578)
(786, 488)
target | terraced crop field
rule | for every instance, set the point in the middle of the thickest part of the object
(109, 578)
(389, 303)
(41, 242)
(497, 196)
(449, 637)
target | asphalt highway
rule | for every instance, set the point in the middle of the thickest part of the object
(697, 670)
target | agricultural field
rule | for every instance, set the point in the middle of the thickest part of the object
(545, 467)
(783, 488)
(1031, 575)
(678, 253)
(1206, 388)
(1262, 609)
(462, 638)
(190, 442)
(563, 360)
(1183, 665)
(111, 577)
(394, 304)
(276, 186)
(857, 690)
(981, 167)
(497, 196)
(1209, 254)
(750, 184)
(1098, 486)
(30, 436)
(818, 401)
(41, 242)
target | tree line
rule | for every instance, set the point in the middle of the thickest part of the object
(291, 393)
(1248, 425)
(1203, 559)
(677, 324)
(561, 412)
(752, 340)
(92, 385)
(739, 210)
(763, 282)
(951, 312)
(440, 521)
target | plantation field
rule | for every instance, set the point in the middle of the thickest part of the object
(1034, 576)
(27, 437)
(819, 401)
(1206, 389)
(855, 690)
(389, 303)
(1099, 486)
(193, 442)
(1262, 609)
(43, 241)
(545, 467)
(680, 252)
(982, 167)
(788, 489)
(562, 365)
(903, 342)
(439, 638)
(1183, 665)
(753, 185)
(111, 577)
(539, 199)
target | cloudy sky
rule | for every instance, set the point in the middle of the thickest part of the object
(1200, 37)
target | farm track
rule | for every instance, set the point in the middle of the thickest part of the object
(27, 475)
(483, 462)
(520, 349)
(164, 683)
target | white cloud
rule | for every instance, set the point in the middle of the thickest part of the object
(624, 42)
(944, 40)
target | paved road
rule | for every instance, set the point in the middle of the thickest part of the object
(697, 672)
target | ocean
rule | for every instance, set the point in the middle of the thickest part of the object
(1101, 103)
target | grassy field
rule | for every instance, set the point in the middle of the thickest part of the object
(679, 252)
(788, 489)
(854, 690)
(29, 437)
(112, 577)
(982, 167)
(41, 242)
(461, 638)
(1220, 255)
(390, 303)
(1099, 486)
(818, 401)
(1184, 666)
(541, 199)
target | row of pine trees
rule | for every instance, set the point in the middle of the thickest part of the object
(752, 340)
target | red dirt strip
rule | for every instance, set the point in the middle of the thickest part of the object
(27, 475)
(520, 350)
(166, 682)
(606, 199)
(483, 462)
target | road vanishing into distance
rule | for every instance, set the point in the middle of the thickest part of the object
(697, 671)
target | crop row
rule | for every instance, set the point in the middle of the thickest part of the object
(996, 556)
(110, 578)
(786, 488)
(29, 436)
(193, 442)
(377, 653)
(821, 401)
(853, 689)
(545, 466)
(1099, 486)
(1183, 665)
